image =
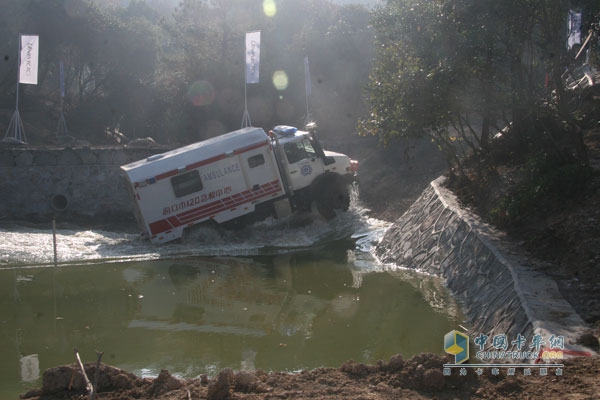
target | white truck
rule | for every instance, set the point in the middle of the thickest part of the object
(244, 174)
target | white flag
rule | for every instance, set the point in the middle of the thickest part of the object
(574, 29)
(61, 77)
(252, 56)
(307, 77)
(28, 69)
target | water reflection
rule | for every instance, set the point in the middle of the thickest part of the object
(200, 314)
(30, 368)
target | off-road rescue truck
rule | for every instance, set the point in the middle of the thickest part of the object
(244, 174)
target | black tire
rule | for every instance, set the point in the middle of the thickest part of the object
(330, 193)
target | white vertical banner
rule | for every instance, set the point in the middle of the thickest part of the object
(61, 78)
(252, 56)
(573, 29)
(307, 77)
(28, 68)
(308, 87)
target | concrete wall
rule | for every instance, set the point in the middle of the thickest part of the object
(86, 180)
(498, 288)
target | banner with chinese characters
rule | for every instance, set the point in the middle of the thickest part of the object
(28, 68)
(252, 56)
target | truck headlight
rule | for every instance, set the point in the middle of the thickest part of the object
(353, 168)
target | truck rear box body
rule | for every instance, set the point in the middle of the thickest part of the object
(221, 178)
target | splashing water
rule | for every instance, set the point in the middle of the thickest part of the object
(25, 246)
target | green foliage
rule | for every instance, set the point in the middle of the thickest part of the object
(547, 177)
(459, 70)
(421, 83)
(405, 80)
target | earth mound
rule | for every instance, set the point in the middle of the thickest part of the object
(420, 377)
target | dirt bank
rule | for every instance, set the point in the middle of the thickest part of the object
(420, 377)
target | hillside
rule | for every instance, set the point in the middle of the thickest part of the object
(542, 200)
(559, 226)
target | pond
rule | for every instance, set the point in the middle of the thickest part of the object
(276, 297)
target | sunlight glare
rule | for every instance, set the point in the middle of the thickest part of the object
(280, 80)
(201, 93)
(269, 8)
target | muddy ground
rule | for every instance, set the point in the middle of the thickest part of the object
(420, 377)
(402, 175)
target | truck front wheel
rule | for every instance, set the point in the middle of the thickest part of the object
(329, 194)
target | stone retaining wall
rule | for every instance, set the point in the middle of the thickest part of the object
(87, 181)
(499, 291)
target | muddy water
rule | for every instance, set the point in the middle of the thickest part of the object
(276, 296)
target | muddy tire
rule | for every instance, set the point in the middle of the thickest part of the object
(330, 194)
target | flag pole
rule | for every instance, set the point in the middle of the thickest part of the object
(15, 123)
(307, 86)
(61, 130)
(62, 124)
(246, 118)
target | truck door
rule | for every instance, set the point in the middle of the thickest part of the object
(304, 163)
(260, 169)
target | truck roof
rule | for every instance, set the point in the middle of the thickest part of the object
(193, 153)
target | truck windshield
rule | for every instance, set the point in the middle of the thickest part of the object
(297, 151)
(310, 150)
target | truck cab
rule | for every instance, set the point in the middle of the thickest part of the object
(311, 171)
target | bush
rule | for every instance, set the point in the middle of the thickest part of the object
(550, 181)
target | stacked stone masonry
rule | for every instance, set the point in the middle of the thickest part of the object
(88, 179)
(500, 291)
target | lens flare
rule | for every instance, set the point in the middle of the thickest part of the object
(280, 80)
(201, 93)
(269, 8)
